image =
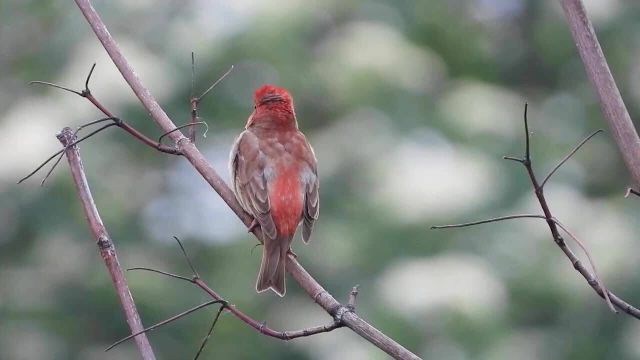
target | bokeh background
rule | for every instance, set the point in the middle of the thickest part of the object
(410, 107)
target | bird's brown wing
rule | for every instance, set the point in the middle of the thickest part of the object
(311, 185)
(247, 165)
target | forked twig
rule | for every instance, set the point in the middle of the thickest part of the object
(61, 152)
(593, 279)
(257, 325)
(195, 101)
(539, 191)
(86, 93)
(164, 322)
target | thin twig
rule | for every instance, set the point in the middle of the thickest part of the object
(201, 97)
(191, 153)
(527, 152)
(186, 256)
(164, 322)
(501, 218)
(143, 268)
(192, 100)
(569, 155)
(206, 338)
(191, 124)
(105, 244)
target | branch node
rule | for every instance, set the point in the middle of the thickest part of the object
(104, 243)
(318, 294)
(339, 313)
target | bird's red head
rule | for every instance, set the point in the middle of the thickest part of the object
(268, 93)
(273, 107)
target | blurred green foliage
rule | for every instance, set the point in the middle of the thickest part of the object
(410, 107)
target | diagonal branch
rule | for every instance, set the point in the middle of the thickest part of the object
(104, 242)
(595, 64)
(199, 162)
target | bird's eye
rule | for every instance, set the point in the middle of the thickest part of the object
(255, 107)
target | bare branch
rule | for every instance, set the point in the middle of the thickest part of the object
(611, 103)
(105, 244)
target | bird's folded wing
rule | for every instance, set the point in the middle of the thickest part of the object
(247, 174)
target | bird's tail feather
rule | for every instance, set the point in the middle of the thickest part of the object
(272, 269)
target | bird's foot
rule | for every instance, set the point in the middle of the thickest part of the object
(290, 252)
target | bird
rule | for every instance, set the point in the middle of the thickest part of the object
(274, 175)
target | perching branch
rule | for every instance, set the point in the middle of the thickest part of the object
(105, 245)
(193, 155)
(592, 279)
(597, 69)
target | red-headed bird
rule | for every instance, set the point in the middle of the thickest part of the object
(275, 178)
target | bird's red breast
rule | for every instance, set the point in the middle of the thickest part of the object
(285, 196)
